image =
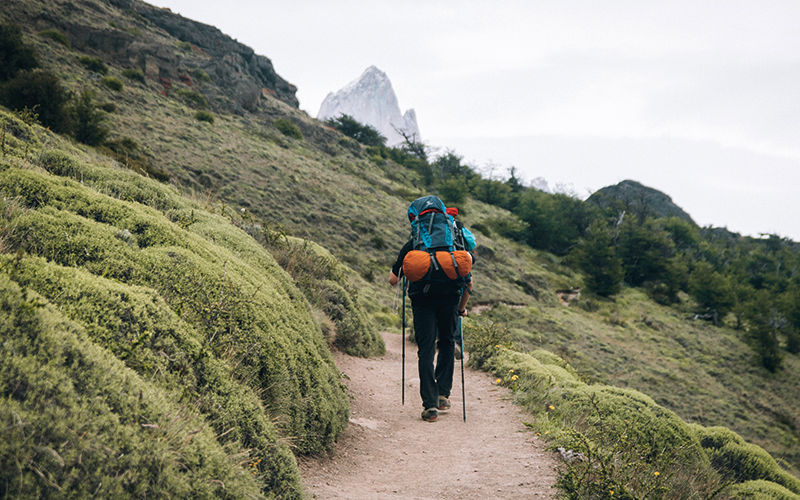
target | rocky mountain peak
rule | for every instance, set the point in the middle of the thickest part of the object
(371, 100)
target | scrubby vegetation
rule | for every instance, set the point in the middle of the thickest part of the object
(288, 128)
(113, 83)
(618, 443)
(219, 293)
(56, 36)
(170, 292)
(204, 116)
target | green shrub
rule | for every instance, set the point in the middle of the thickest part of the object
(262, 324)
(349, 126)
(201, 75)
(508, 227)
(126, 151)
(57, 36)
(113, 83)
(93, 64)
(322, 279)
(288, 128)
(482, 228)
(738, 460)
(620, 440)
(184, 46)
(151, 339)
(15, 56)
(77, 423)
(40, 91)
(194, 98)
(483, 340)
(17, 135)
(108, 107)
(204, 116)
(133, 74)
(453, 190)
(88, 120)
(762, 490)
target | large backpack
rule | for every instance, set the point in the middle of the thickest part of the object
(433, 256)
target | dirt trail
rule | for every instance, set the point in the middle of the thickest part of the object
(388, 452)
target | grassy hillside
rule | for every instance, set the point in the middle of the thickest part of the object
(619, 443)
(202, 286)
(705, 374)
(192, 309)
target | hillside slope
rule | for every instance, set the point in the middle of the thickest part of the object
(190, 305)
(101, 235)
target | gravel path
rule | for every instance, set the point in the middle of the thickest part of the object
(388, 452)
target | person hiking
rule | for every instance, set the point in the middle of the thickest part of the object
(436, 295)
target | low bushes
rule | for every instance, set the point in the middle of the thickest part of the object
(112, 83)
(288, 128)
(77, 423)
(93, 64)
(204, 116)
(56, 36)
(618, 443)
(183, 299)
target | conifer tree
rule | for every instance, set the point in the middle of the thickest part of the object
(598, 259)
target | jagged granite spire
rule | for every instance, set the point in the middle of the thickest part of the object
(371, 100)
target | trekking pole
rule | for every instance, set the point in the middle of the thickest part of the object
(463, 391)
(403, 397)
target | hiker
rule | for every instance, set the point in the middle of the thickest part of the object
(436, 297)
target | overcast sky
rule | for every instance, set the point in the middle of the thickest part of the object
(699, 99)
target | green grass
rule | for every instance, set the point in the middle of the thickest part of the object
(327, 189)
(706, 375)
(77, 422)
(622, 443)
(185, 299)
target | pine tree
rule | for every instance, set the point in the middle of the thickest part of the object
(598, 259)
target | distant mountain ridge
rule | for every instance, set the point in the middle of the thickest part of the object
(371, 100)
(638, 199)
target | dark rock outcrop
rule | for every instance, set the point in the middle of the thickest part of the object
(166, 46)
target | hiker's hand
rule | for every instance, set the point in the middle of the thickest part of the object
(393, 279)
(463, 313)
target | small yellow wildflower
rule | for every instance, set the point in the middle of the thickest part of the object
(498, 345)
(511, 371)
(611, 492)
(547, 432)
(514, 377)
(656, 473)
(552, 407)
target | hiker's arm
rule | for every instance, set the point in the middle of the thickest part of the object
(397, 268)
(462, 304)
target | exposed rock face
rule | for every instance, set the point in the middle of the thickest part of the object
(371, 100)
(239, 75)
(638, 200)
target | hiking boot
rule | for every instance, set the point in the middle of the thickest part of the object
(430, 415)
(444, 403)
(457, 351)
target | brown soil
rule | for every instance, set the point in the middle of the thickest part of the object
(389, 452)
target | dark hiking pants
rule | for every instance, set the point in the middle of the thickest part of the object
(432, 315)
